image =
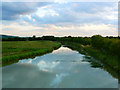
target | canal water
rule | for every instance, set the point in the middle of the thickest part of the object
(63, 68)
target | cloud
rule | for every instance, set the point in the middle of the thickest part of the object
(44, 13)
(60, 19)
(12, 11)
(64, 30)
(75, 13)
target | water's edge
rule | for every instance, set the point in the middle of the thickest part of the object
(63, 68)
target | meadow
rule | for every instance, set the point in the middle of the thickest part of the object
(12, 51)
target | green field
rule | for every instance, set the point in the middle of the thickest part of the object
(12, 51)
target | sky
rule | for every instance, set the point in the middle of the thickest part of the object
(59, 18)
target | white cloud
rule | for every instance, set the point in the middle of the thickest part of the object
(84, 29)
(63, 30)
(29, 17)
(109, 13)
(45, 11)
(22, 29)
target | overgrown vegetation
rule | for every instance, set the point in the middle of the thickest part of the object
(16, 50)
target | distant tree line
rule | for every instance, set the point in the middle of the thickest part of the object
(14, 39)
(106, 44)
(82, 40)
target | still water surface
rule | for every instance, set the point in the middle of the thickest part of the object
(63, 68)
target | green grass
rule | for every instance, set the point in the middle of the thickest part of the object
(12, 51)
(106, 58)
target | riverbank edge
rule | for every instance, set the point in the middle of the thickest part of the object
(97, 54)
(15, 58)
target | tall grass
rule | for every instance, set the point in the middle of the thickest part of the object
(16, 50)
(110, 60)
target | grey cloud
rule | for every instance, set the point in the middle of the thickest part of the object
(12, 10)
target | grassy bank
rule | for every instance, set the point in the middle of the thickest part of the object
(12, 51)
(110, 62)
